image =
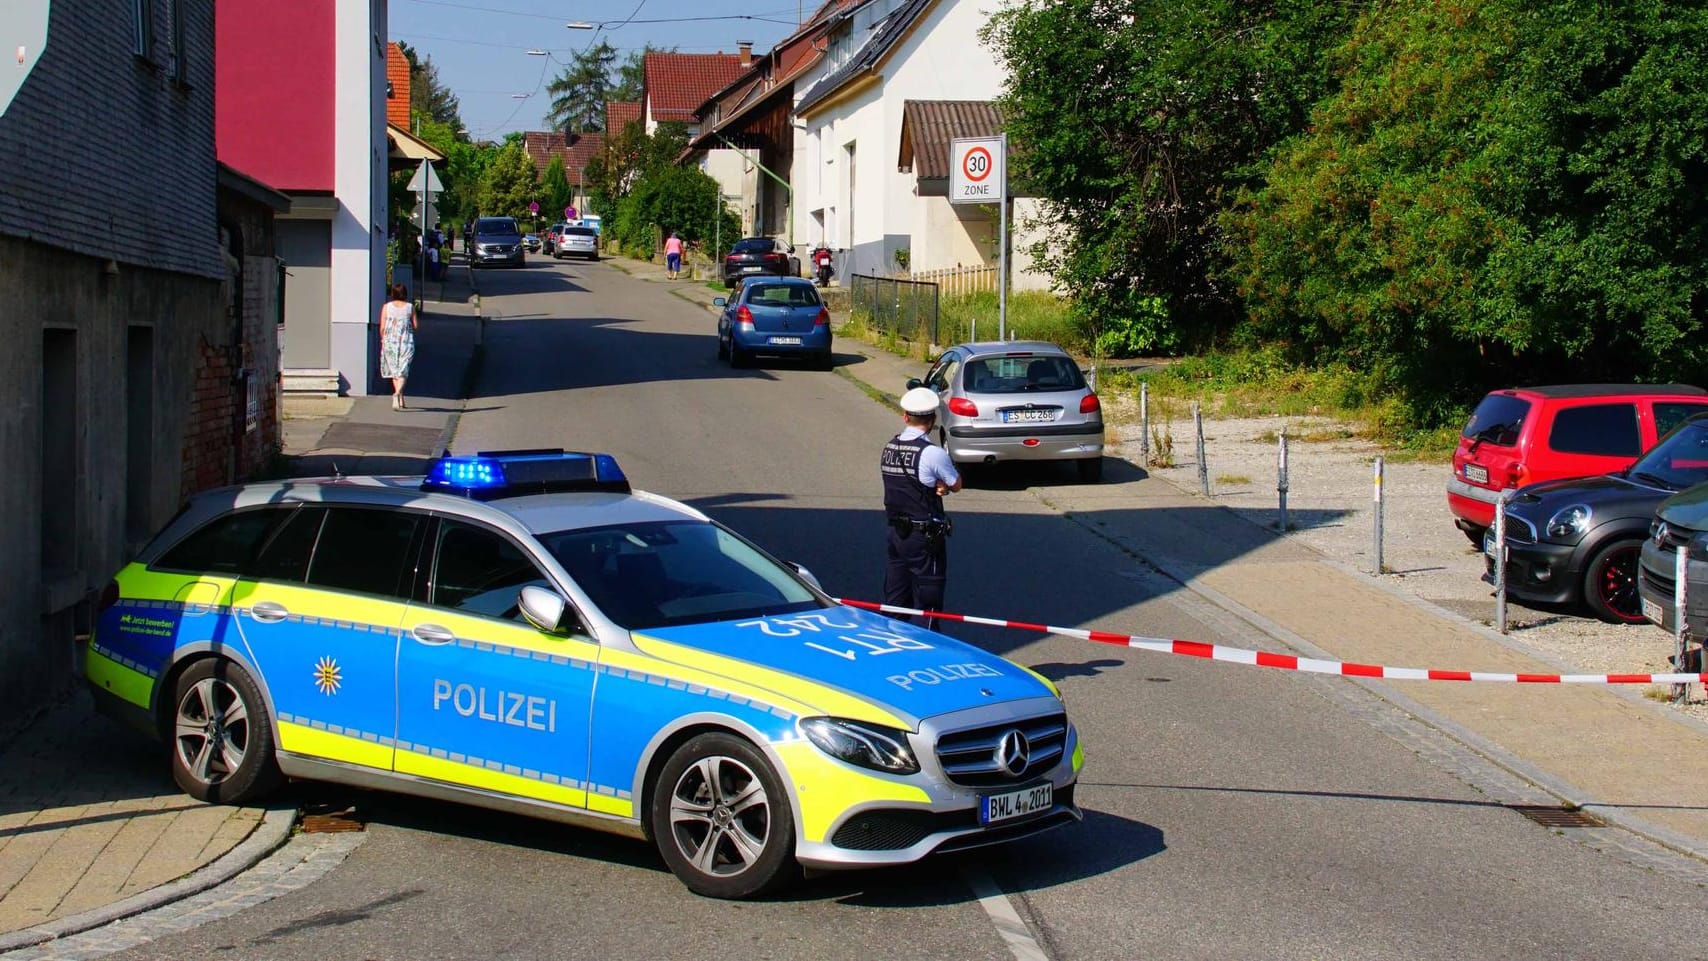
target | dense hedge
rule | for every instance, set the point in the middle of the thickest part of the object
(1454, 195)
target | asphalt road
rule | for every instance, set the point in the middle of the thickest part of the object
(1229, 814)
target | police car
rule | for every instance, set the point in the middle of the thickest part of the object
(524, 632)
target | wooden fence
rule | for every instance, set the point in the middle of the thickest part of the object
(958, 281)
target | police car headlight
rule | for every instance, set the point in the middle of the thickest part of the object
(867, 745)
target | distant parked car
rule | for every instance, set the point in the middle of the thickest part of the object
(1016, 400)
(577, 242)
(1578, 541)
(532, 242)
(757, 256)
(548, 240)
(781, 316)
(497, 240)
(1533, 434)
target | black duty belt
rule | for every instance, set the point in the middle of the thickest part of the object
(931, 527)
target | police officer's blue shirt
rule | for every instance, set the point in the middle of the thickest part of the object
(935, 467)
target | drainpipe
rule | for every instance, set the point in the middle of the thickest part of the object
(772, 174)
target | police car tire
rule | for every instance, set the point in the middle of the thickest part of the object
(775, 865)
(258, 772)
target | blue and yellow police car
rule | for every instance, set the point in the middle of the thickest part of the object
(522, 631)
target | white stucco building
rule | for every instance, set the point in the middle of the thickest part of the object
(850, 190)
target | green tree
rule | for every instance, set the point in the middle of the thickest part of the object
(1499, 190)
(429, 98)
(1137, 122)
(510, 182)
(627, 155)
(671, 198)
(555, 192)
(580, 90)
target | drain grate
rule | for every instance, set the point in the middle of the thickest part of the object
(1557, 817)
(325, 819)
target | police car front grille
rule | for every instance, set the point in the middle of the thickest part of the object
(969, 757)
(895, 830)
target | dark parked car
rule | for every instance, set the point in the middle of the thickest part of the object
(1578, 541)
(497, 240)
(782, 316)
(757, 256)
(1680, 520)
(1533, 434)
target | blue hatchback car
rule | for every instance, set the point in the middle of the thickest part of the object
(781, 316)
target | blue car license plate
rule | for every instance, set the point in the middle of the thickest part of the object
(995, 808)
(786, 341)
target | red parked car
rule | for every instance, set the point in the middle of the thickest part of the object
(1528, 435)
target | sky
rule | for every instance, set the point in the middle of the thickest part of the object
(481, 46)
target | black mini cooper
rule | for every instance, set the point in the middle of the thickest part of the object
(1578, 541)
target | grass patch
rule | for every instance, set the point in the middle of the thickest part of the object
(1255, 383)
(1233, 480)
(1032, 315)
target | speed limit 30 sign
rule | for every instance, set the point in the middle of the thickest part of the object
(976, 170)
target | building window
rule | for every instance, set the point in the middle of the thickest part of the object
(60, 426)
(144, 11)
(179, 67)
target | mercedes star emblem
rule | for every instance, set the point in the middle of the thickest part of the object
(1013, 753)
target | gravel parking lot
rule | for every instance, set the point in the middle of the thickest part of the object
(1331, 487)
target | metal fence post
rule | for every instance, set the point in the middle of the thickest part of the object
(1144, 424)
(1281, 476)
(1680, 629)
(936, 311)
(1381, 566)
(1500, 564)
(1203, 468)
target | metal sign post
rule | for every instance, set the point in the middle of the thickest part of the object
(978, 174)
(1680, 626)
(426, 183)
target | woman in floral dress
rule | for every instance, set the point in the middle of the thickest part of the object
(397, 341)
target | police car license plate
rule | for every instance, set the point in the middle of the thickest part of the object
(785, 340)
(994, 808)
(1477, 473)
(1027, 416)
(1652, 610)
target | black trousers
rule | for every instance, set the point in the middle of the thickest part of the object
(917, 569)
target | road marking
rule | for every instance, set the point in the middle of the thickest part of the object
(1008, 922)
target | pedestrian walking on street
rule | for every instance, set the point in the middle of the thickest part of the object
(673, 255)
(397, 341)
(916, 475)
(433, 263)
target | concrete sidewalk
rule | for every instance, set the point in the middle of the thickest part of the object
(92, 827)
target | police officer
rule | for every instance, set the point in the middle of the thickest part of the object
(916, 474)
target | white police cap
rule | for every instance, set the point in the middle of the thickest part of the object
(920, 400)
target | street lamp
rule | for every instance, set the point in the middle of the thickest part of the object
(539, 53)
(579, 25)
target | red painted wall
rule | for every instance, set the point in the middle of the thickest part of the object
(274, 79)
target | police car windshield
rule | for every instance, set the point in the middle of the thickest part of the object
(665, 573)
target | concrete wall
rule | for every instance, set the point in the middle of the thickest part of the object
(100, 375)
(359, 170)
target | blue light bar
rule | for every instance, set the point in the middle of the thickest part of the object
(513, 473)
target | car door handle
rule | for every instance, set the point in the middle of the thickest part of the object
(269, 612)
(432, 634)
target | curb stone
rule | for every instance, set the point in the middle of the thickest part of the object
(273, 832)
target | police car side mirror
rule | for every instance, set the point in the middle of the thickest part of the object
(719, 302)
(913, 382)
(545, 609)
(806, 575)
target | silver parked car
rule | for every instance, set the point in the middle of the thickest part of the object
(576, 242)
(1016, 400)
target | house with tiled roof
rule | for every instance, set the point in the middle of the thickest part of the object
(752, 114)
(576, 150)
(619, 114)
(870, 196)
(673, 87)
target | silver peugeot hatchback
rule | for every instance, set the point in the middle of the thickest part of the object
(1016, 400)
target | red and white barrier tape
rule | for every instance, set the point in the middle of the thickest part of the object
(1288, 662)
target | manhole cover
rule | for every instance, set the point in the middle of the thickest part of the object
(1557, 817)
(330, 819)
(381, 439)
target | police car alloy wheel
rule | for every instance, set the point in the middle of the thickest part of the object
(222, 739)
(721, 819)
